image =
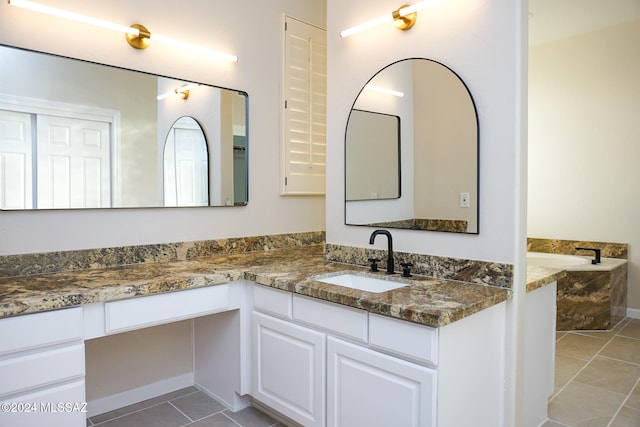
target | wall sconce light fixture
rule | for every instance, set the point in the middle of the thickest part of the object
(182, 92)
(384, 90)
(136, 35)
(403, 18)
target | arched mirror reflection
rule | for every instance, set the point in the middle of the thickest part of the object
(186, 165)
(411, 151)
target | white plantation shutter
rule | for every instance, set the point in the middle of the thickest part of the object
(304, 158)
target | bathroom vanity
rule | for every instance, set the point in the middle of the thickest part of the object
(264, 329)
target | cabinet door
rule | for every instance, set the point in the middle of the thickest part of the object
(289, 369)
(367, 388)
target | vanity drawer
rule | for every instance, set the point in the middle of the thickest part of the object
(404, 338)
(136, 313)
(272, 301)
(40, 329)
(41, 368)
(342, 320)
(43, 409)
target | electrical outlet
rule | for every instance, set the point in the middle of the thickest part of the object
(464, 200)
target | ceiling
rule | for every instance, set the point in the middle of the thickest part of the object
(551, 20)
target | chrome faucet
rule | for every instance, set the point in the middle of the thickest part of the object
(390, 264)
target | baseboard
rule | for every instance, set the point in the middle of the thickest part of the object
(147, 391)
(239, 403)
(634, 313)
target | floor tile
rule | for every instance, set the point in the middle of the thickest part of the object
(610, 374)
(627, 417)
(579, 346)
(197, 405)
(584, 405)
(634, 398)
(631, 329)
(623, 348)
(163, 415)
(142, 405)
(566, 368)
(551, 423)
(215, 420)
(251, 417)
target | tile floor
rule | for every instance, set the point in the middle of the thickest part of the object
(186, 407)
(597, 384)
(597, 379)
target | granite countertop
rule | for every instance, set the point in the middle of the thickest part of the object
(538, 276)
(428, 301)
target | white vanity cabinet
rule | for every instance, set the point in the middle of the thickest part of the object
(312, 363)
(376, 370)
(42, 369)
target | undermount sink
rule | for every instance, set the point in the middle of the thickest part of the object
(362, 282)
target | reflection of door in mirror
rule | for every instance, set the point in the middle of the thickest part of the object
(73, 155)
(186, 165)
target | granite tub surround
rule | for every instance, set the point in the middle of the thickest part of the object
(592, 299)
(53, 262)
(433, 302)
(556, 246)
(481, 272)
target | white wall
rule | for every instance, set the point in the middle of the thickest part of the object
(584, 106)
(478, 40)
(250, 29)
(484, 41)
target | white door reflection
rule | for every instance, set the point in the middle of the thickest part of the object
(186, 165)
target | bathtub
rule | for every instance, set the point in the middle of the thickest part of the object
(540, 259)
(571, 262)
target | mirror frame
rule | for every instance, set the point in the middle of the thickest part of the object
(235, 91)
(477, 147)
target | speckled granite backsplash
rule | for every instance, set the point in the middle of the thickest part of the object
(51, 262)
(482, 272)
(556, 246)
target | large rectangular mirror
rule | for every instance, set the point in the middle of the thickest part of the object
(76, 134)
(436, 164)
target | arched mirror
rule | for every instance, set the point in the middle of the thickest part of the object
(411, 151)
(186, 165)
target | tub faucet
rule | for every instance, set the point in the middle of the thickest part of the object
(390, 266)
(596, 260)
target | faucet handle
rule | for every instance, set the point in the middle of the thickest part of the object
(374, 264)
(406, 270)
